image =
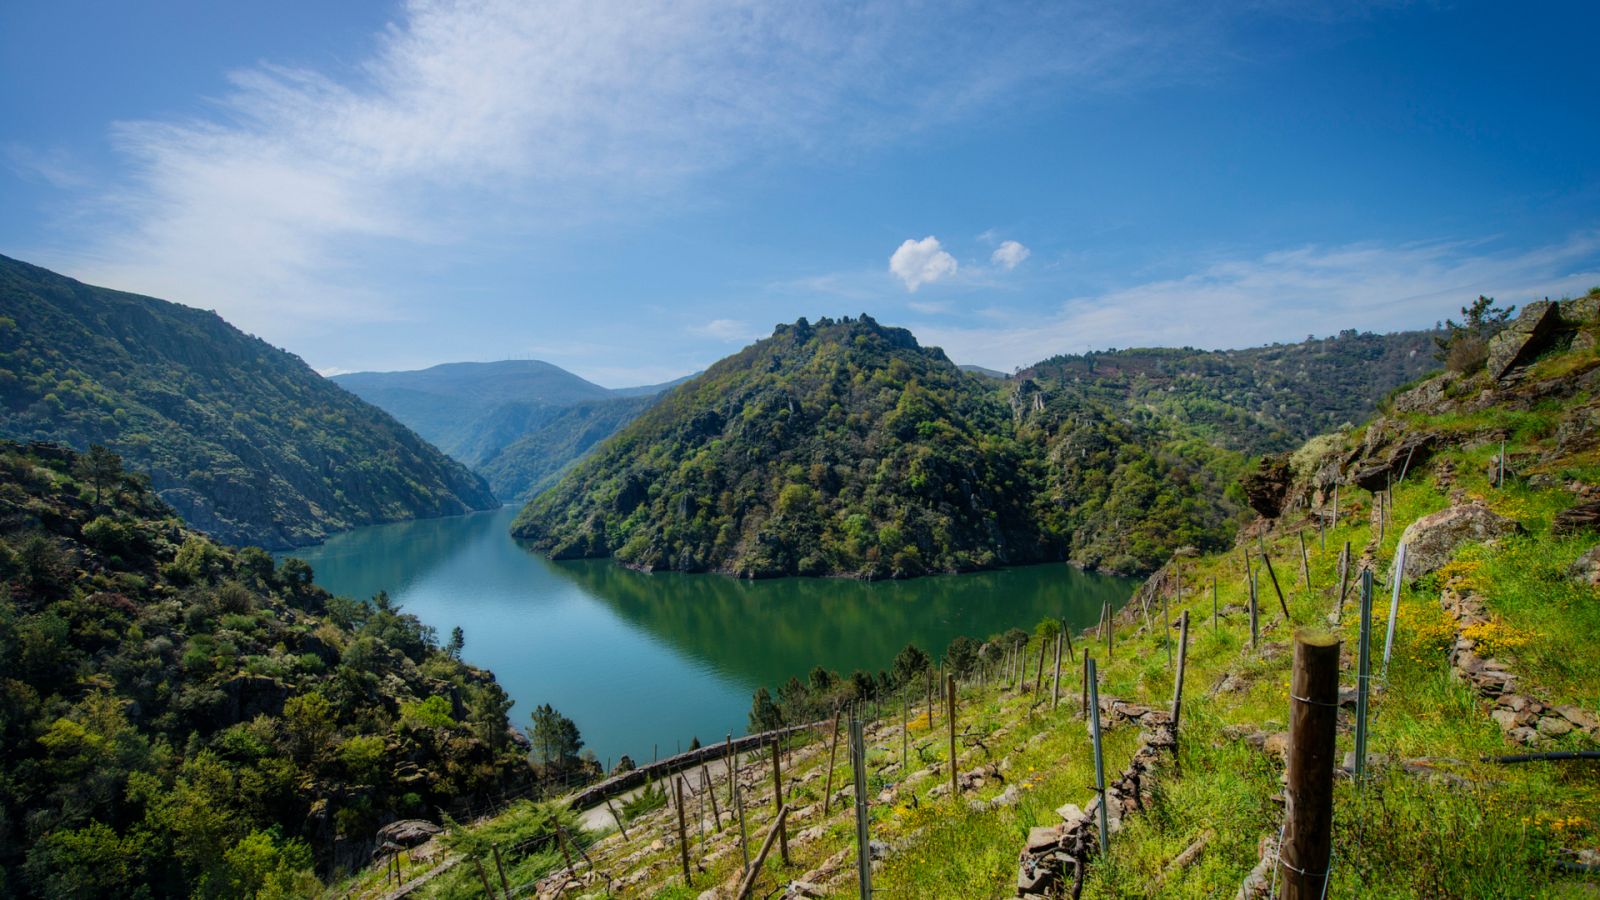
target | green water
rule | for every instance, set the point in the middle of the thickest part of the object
(641, 661)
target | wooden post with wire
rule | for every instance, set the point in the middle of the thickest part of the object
(833, 749)
(950, 713)
(711, 792)
(1282, 604)
(1305, 563)
(1055, 685)
(777, 804)
(1099, 760)
(683, 840)
(484, 879)
(753, 870)
(614, 815)
(505, 886)
(1313, 728)
(858, 763)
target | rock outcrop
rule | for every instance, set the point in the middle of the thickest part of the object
(1522, 340)
(1583, 517)
(1586, 569)
(1431, 540)
(1266, 487)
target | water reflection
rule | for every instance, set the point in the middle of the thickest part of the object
(639, 660)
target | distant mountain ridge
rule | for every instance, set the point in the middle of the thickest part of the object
(243, 439)
(517, 422)
(846, 448)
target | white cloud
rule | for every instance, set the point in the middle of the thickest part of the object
(303, 198)
(729, 330)
(921, 262)
(1009, 255)
(1283, 296)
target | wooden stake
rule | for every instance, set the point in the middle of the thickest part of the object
(777, 804)
(927, 681)
(905, 728)
(1394, 607)
(1336, 506)
(1166, 629)
(505, 886)
(1278, 590)
(744, 833)
(1177, 683)
(620, 827)
(1313, 727)
(1111, 630)
(753, 871)
(1038, 679)
(683, 841)
(484, 879)
(1071, 656)
(1344, 581)
(705, 779)
(731, 763)
(1305, 562)
(1363, 673)
(1055, 685)
(1255, 610)
(1099, 760)
(1213, 603)
(858, 757)
(950, 712)
(833, 749)
(1083, 682)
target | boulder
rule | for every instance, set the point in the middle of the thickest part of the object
(1523, 339)
(1377, 474)
(1266, 486)
(408, 832)
(1433, 539)
(1584, 516)
(1586, 569)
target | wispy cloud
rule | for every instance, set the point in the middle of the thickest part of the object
(472, 119)
(727, 330)
(1284, 296)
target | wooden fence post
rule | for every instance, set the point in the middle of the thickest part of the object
(1308, 826)
(744, 833)
(1282, 604)
(1213, 603)
(705, 778)
(505, 886)
(753, 870)
(827, 790)
(1083, 682)
(1055, 685)
(731, 763)
(1038, 678)
(484, 879)
(1177, 684)
(1071, 656)
(1111, 629)
(905, 728)
(950, 712)
(1344, 581)
(1099, 759)
(1363, 673)
(777, 804)
(1166, 629)
(1394, 607)
(1255, 610)
(620, 827)
(927, 684)
(683, 840)
(1305, 562)
(858, 764)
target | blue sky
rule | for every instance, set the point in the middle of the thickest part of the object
(632, 191)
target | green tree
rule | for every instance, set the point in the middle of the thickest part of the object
(556, 740)
(1465, 345)
(764, 714)
(910, 662)
(961, 655)
(101, 468)
(458, 640)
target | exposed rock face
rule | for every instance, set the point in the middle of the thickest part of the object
(1378, 473)
(1266, 486)
(1584, 516)
(1587, 567)
(1433, 539)
(1524, 338)
(407, 832)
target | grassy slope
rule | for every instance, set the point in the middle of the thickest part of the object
(1398, 836)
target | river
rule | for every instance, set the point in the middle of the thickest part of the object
(643, 663)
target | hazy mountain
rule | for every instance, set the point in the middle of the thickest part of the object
(243, 439)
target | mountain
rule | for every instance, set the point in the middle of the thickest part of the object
(181, 719)
(845, 448)
(471, 410)
(243, 439)
(537, 459)
(1256, 400)
(842, 447)
(519, 423)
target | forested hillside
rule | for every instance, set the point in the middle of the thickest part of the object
(1256, 400)
(182, 719)
(471, 410)
(540, 456)
(243, 439)
(846, 448)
